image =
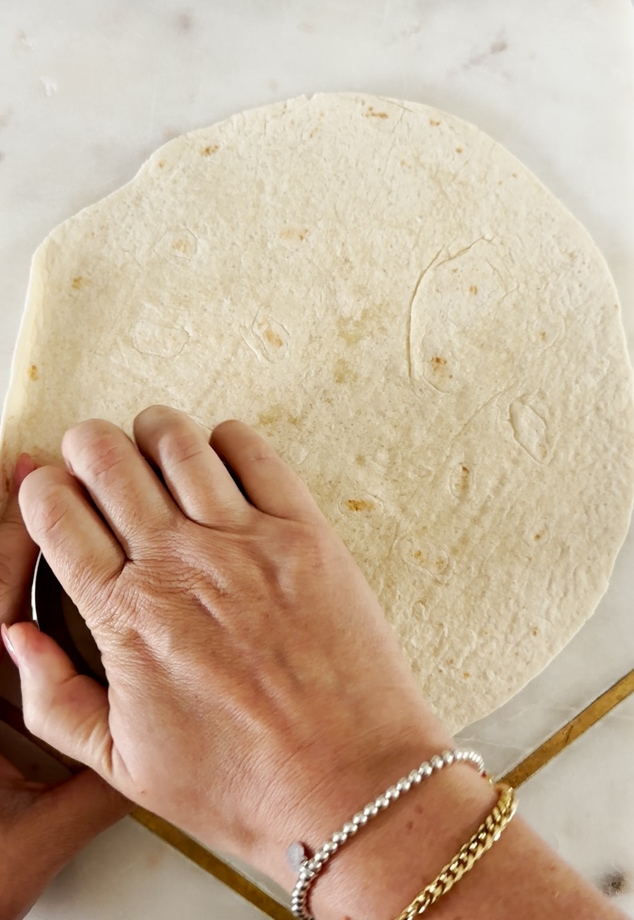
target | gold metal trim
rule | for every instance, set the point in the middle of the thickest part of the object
(571, 731)
(212, 864)
(247, 889)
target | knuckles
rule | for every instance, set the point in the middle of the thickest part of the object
(171, 436)
(175, 434)
(45, 499)
(96, 449)
(179, 442)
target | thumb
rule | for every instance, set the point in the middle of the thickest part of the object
(17, 550)
(65, 709)
(71, 813)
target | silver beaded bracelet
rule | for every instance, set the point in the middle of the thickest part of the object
(310, 867)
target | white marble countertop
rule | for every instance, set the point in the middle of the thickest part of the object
(89, 89)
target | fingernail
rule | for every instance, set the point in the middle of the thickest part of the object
(8, 644)
(25, 465)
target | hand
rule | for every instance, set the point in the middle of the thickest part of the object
(256, 693)
(250, 665)
(41, 826)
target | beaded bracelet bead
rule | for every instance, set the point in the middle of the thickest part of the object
(310, 867)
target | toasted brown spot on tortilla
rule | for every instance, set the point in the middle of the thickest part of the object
(294, 233)
(343, 373)
(359, 504)
(273, 338)
(372, 114)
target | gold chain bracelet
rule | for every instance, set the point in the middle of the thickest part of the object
(483, 839)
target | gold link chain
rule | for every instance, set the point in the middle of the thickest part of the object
(483, 839)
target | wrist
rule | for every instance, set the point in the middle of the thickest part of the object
(329, 784)
(378, 871)
(403, 849)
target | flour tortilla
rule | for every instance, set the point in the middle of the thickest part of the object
(424, 333)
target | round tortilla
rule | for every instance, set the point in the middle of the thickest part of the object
(420, 328)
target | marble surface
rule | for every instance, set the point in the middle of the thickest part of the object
(582, 804)
(89, 89)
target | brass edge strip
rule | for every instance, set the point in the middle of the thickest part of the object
(571, 731)
(226, 874)
(212, 864)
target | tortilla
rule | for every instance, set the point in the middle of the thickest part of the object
(421, 329)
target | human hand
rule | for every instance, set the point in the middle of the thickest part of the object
(256, 690)
(41, 826)
(256, 693)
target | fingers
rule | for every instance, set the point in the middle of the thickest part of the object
(73, 812)
(17, 551)
(268, 482)
(194, 474)
(78, 545)
(8, 773)
(59, 823)
(67, 710)
(120, 482)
